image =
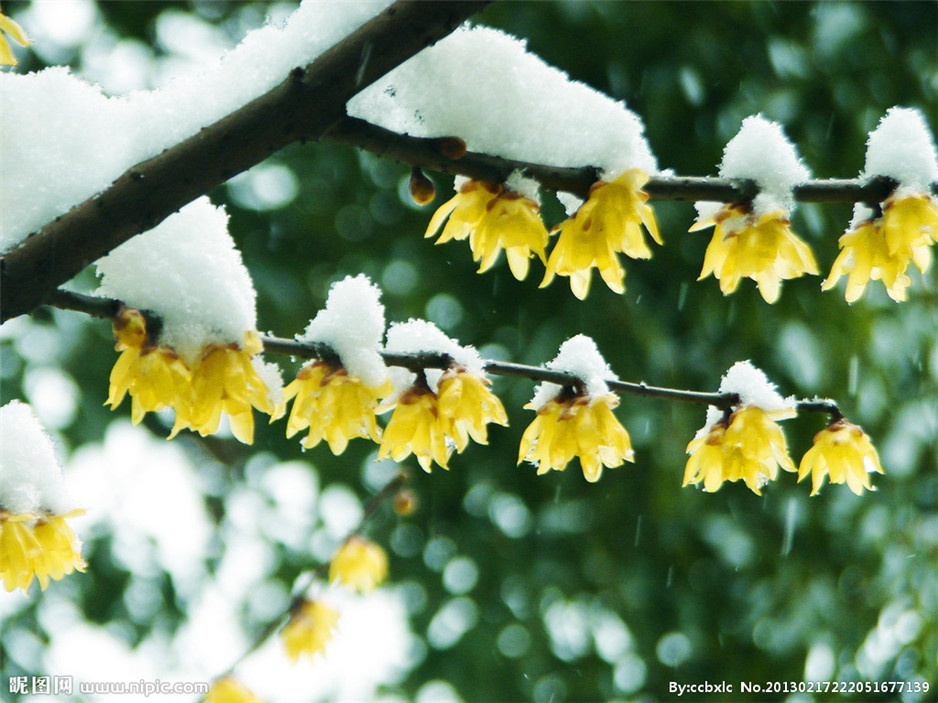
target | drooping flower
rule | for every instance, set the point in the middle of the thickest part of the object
(414, 429)
(762, 248)
(16, 33)
(609, 222)
(881, 243)
(153, 375)
(754, 240)
(438, 410)
(576, 426)
(749, 446)
(334, 405)
(337, 398)
(230, 690)
(745, 442)
(494, 217)
(576, 420)
(466, 406)
(844, 453)
(40, 545)
(35, 539)
(359, 564)
(881, 248)
(309, 629)
(225, 380)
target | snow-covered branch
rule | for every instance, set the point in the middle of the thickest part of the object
(443, 154)
(302, 107)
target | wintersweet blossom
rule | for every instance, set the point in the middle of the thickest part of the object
(413, 429)
(153, 375)
(334, 405)
(746, 245)
(222, 379)
(309, 629)
(16, 33)
(494, 218)
(881, 248)
(609, 222)
(230, 690)
(576, 425)
(225, 380)
(749, 445)
(466, 406)
(432, 424)
(41, 545)
(359, 564)
(36, 540)
(844, 453)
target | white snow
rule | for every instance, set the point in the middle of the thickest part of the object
(483, 86)
(415, 336)
(902, 147)
(30, 475)
(525, 186)
(762, 152)
(754, 388)
(352, 324)
(84, 139)
(188, 271)
(580, 357)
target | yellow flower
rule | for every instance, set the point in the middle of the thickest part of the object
(229, 690)
(466, 406)
(761, 248)
(225, 380)
(43, 546)
(881, 249)
(359, 564)
(749, 446)
(494, 218)
(607, 223)
(843, 452)
(309, 629)
(155, 376)
(578, 426)
(413, 428)
(334, 406)
(8, 26)
(909, 220)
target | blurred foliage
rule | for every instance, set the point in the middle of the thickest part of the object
(591, 592)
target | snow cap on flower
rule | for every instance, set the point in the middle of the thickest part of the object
(525, 186)
(902, 147)
(579, 357)
(30, 475)
(483, 85)
(761, 151)
(415, 336)
(188, 271)
(352, 324)
(754, 390)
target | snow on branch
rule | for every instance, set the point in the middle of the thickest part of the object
(302, 107)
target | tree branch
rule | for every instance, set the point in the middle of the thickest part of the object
(303, 107)
(434, 153)
(417, 362)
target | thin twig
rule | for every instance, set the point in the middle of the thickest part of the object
(418, 361)
(435, 153)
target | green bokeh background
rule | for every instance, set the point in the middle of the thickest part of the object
(722, 587)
